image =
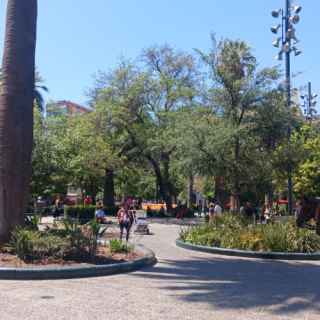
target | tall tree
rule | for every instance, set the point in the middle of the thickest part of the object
(239, 89)
(16, 112)
(143, 102)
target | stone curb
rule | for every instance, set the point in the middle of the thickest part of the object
(249, 254)
(42, 273)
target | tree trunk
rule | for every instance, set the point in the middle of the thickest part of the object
(163, 183)
(235, 194)
(190, 194)
(108, 192)
(220, 192)
(16, 112)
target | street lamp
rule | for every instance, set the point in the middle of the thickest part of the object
(309, 104)
(287, 42)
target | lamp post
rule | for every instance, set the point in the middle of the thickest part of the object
(287, 43)
(309, 104)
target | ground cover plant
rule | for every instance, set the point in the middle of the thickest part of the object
(66, 243)
(234, 232)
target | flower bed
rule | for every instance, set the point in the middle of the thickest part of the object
(233, 232)
(67, 245)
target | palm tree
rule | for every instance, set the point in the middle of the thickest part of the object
(16, 112)
(39, 88)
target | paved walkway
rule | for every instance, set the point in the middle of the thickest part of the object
(183, 285)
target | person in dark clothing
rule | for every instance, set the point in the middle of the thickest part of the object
(249, 211)
(309, 209)
(126, 219)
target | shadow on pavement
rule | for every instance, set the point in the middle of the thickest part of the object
(279, 286)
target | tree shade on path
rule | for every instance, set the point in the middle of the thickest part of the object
(184, 285)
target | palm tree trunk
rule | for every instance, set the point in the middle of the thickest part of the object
(16, 112)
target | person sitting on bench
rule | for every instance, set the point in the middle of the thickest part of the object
(100, 213)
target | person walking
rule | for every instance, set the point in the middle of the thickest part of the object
(125, 219)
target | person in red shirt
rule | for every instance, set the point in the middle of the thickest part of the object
(87, 201)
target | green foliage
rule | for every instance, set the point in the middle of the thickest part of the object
(84, 214)
(77, 238)
(32, 222)
(156, 122)
(229, 231)
(81, 213)
(32, 245)
(156, 214)
(93, 234)
(72, 242)
(117, 246)
(307, 177)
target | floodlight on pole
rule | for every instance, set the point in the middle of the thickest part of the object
(309, 104)
(275, 29)
(276, 43)
(295, 19)
(287, 45)
(276, 13)
(297, 52)
(297, 9)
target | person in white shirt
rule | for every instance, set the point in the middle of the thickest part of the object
(217, 209)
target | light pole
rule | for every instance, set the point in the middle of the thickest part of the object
(309, 104)
(287, 43)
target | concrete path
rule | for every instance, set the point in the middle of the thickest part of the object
(183, 285)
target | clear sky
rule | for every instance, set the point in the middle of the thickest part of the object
(78, 37)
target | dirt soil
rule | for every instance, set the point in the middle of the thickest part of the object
(103, 256)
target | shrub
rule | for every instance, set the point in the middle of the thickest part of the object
(32, 221)
(233, 232)
(31, 245)
(156, 214)
(86, 213)
(117, 246)
(82, 213)
(93, 233)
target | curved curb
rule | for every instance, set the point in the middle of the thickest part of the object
(249, 254)
(41, 273)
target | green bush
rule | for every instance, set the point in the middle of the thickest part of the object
(31, 245)
(86, 213)
(72, 242)
(117, 246)
(82, 213)
(233, 232)
(156, 214)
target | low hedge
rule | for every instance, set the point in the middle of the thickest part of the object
(86, 213)
(156, 214)
(234, 232)
(189, 213)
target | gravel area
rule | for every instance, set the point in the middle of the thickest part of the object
(183, 285)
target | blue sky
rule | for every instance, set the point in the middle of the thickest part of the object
(78, 37)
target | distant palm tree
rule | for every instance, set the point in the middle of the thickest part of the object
(16, 112)
(38, 88)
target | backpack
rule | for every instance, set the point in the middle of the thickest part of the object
(124, 216)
